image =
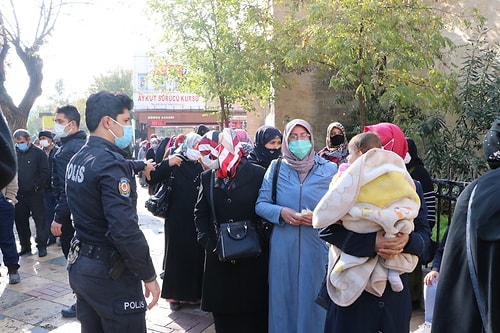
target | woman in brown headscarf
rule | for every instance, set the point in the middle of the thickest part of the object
(298, 257)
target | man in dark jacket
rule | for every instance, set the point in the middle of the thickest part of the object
(468, 294)
(50, 149)
(33, 172)
(67, 119)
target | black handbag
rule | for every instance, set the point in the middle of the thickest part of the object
(235, 239)
(158, 203)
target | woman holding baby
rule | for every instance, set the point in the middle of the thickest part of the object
(297, 255)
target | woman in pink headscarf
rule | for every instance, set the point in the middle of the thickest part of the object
(391, 312)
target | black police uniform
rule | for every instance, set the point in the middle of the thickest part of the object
(100, 188)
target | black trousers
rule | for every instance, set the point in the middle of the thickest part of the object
(104, 305)
(32, 203)
(7, 240)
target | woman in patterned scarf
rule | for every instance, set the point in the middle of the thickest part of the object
(336, 144)
(235, 291)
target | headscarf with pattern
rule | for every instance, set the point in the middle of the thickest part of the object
(245, 140)
(208, 144)
(230, 153)
(190, 141)
(329, 143)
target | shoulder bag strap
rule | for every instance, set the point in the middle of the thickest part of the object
(211, 197)
(275, 179)
(472, 267)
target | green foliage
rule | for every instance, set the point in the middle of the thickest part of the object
(118, 79)
(223, 47)
(384, 52)
(480, 104)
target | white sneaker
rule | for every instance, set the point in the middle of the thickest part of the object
(424, 328)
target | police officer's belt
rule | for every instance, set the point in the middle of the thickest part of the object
(95, 252)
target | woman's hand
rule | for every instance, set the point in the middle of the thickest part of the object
(430, 277)
(174, 160)
(306, 220)
(290, 216)
(388, 248)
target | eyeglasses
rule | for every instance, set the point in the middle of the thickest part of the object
(295, 137)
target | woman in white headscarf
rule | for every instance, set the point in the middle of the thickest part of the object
(298, 257)
(183, 259)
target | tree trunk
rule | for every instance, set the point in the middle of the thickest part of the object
(223, 113)
(17, 116)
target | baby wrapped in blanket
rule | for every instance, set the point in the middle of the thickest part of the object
(373, 193)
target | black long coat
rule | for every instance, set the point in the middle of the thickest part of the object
(239, 287)
(183, 255)
(456, 309)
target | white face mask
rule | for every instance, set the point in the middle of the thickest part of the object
(59, 129)
(44, 143)
(209, 163)
(193, 154)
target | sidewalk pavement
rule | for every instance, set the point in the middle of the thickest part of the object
(35, 304)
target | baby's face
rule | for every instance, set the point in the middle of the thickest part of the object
(353, 155)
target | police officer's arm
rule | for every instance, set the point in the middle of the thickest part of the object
(139, 165)
(121, 216)
(62, 213)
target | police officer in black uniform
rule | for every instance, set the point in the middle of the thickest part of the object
(109, 255)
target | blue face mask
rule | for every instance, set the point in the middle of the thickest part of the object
(125, 140)
(300, 148)
(22, 146)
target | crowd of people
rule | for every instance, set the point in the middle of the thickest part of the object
(350, 222)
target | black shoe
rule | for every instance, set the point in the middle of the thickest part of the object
(69, 312)
(175, 306)
(24, 250)
(42, 252)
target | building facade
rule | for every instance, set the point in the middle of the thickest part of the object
(164, 111)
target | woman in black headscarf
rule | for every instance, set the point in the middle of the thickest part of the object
(267, 146)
